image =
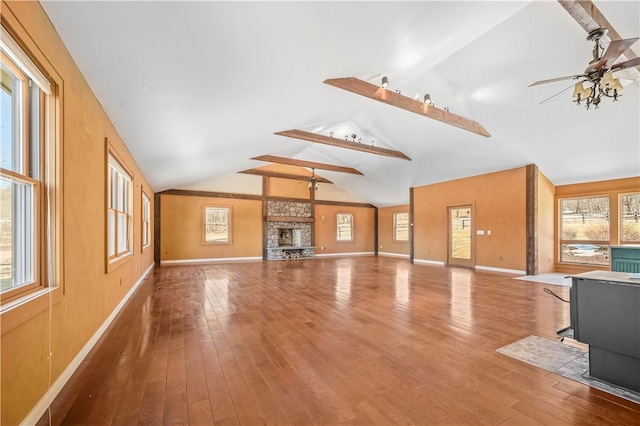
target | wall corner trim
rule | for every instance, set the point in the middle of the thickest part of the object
(47, 399)
(508, 271)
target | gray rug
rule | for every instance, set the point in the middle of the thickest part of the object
(564, 360)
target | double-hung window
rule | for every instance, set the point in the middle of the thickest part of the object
(119, 211)
(344, 231)
(401, 226)
(146, 220)
(217, 225)
(23, 99)
(630, 218)
(585, 230)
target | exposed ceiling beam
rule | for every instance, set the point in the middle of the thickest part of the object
(589, 17)
(327, 140)
(303, 163)
(397, 100)
(283, 175)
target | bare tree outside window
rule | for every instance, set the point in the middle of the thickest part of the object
(217, 224)
(344, 227)
(585, 227)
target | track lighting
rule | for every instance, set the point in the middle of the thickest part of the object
(385, 82)
(427, 99)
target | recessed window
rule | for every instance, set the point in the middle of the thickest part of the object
(217, 225)
(146, 221)
(119, 211)
(344, 227)
(630, 218)
(24, 96)
(585, 230)
(401, 226)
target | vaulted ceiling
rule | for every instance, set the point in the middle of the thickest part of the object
(197, 89)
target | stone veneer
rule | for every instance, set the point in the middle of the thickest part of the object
(286, 209)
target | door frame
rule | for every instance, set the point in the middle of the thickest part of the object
(451, 261)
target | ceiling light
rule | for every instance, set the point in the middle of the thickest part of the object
(385, 82)
(427, 99)
(313, 182)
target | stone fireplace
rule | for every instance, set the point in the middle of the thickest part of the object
(289, 230)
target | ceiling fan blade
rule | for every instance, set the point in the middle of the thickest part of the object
(551, 80)
(562, 91)
(615, 49)
(626, 64)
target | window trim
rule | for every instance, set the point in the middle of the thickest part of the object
(395, 227)
(562, 241)
(351, 226)
(113, 262)
(229, 240)
(145, 222)
(620, 219)
(50, 263)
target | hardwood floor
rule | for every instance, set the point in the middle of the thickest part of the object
(353, 341)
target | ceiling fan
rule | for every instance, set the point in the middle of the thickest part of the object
(599, 72)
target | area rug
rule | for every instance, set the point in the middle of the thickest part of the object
(550, 278)
(564, 360)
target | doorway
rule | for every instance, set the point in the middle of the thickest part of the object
(461, 248)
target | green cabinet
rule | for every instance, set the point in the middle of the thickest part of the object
(625, 258)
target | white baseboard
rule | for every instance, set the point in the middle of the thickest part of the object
(383, 253)
(214, 259)
(41, 407)
(429, 262)
(358, 253)
(508, 271)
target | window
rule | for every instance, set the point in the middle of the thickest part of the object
(217, 225)
(24, 94)
(401, 226)
(629, 218)
(584, 230)
(345, 227)
(119, 211)
(146, 220)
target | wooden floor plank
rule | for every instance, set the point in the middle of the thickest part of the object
(352, 341)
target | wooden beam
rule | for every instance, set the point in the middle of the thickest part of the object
(344, 204)
(303, 163)
(532, 219)
(157, 253)
(589, 17)
(283, 175)
(326, 140)
(290, 219)
(397, 100)
(188, 193)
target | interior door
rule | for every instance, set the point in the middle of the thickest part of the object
(461, 247)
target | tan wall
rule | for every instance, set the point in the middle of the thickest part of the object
(499, 204)
(90, 295)
(386, 243)
(287, 188)
(546, 229)
(325, 229)
(181, 226)
(612, 188)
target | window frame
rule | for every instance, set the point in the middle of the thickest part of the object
(563, 241)
(229, 224)
(351, 228)
(145, 221)
(45, 176)
(622, 241)
(119, 257)
(395, 227)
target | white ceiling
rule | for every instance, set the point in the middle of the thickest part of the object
(196, 89)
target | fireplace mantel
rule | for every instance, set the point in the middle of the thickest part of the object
(290, 219)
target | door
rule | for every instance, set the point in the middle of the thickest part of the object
(461, 247)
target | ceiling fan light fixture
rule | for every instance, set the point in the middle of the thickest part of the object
(385, 82)
(578, 91)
